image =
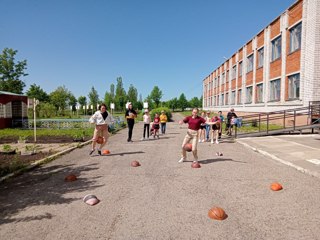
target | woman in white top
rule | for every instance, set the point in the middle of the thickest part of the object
(146, 126)
(101, 119)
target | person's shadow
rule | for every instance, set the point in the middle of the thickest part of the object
(213, 160)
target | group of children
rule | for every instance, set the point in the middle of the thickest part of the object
(215, 128)
(158, 121)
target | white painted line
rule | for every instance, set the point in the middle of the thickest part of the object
(315, 161)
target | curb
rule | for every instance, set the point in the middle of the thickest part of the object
(301, 169)
(41, 161)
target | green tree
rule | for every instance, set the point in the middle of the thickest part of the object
(11, 72)
(93, 98)
(173, 104)
(82, 100)
(37, 92)
(60, 98)
(195, 102)
(183, 102)
(120, 97)
(46, 110)
(156, 95)
(133, 95)
(73, 102)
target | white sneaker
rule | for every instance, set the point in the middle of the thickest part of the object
(199, 141)
(195, 161)
(217, 142)
(202, 140)
(211, 141)
(181, 160)
(142, 139)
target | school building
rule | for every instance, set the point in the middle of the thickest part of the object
(277, 69)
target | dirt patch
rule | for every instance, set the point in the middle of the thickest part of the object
(29, 152)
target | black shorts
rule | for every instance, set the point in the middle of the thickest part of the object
(215, 127)
(202, 127)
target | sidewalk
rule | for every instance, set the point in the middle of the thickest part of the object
(301, 152)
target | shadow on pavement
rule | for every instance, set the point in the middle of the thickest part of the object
(207, 161)
(14, 198)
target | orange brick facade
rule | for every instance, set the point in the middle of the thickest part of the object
(268, 70)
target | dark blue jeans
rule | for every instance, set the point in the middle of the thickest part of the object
(163, 127)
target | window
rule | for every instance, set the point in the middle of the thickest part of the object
(240, 68)
(295, 38)
(250, 63)
(223, 77)
(249, 95)
(276, 49)
(234, 72)
(275, 89)
(227, 98)
(233, 97)
(222, 99)
(294, 86)
(239, 96)
(260, 93)
(216, 82)
(227, 76)
(260, 57)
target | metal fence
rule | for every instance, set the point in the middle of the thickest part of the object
(61, 123)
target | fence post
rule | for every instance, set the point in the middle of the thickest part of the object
(267, 123)
(284, 119)
(259, 122)
(294, 120)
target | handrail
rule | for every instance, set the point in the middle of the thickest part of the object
(277, 120)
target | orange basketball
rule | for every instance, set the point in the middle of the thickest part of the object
(135, 163)
(195, 165)
(105, 152)
(70, 178)
(276, 186)
(217, 213)
(100, 140)
(188, 147)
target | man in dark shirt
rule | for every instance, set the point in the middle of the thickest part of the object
(231, 115)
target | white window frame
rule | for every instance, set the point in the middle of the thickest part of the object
(249, 91)
(276, 48)
(259, 92)
(250, 63)
(275, 90)
(260, 57)
(295, 37)
(294, 86)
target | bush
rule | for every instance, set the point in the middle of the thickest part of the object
(158, 110)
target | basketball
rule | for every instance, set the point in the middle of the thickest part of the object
(217, 213)
(70, 178)
(195, 165)
(135, 163)
(100, 140)
(188, 147)
(276, 186)
(105, 152)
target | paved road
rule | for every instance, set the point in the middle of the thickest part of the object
(161, 199)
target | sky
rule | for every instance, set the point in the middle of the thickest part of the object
(172, 44)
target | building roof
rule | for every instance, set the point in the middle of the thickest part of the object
(10, 93)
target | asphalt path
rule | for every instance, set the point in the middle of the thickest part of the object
(161, 199)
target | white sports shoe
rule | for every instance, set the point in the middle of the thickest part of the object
(181, 160)
(212, 141)
(199, 141)
(217, 142)
(202, 140)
